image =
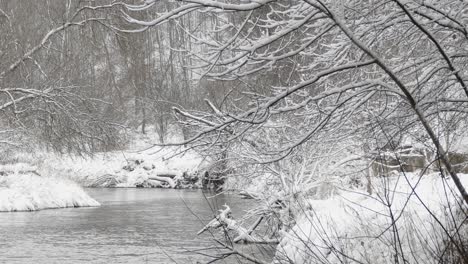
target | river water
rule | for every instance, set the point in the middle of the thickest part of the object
(131, 226)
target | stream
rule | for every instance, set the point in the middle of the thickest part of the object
(131, 226)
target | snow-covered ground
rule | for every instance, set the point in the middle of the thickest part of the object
(360, 228)
(22, 189)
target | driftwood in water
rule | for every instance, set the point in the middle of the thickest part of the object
(224, 219)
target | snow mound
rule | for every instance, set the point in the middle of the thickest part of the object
(31, 192)
(361, 228)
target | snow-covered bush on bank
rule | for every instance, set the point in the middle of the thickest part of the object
(22, 189)
(395, 225)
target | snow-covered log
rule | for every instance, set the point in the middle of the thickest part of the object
(170, 181)
(224, 219)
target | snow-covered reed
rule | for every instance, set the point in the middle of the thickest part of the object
(27, 191)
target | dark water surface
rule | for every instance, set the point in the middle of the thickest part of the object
(131, 226)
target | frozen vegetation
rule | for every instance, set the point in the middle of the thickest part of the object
(23, 189)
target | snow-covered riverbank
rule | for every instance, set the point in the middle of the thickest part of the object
(138, 164)
(416, 214)
(22, 189)
(152, 168)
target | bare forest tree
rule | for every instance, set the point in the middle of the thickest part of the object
(71, 80)
(46, 80)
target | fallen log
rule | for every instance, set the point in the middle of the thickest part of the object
(150, 184)
(223, 219)
(166, 175)
(106, 180)
(168, 180)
